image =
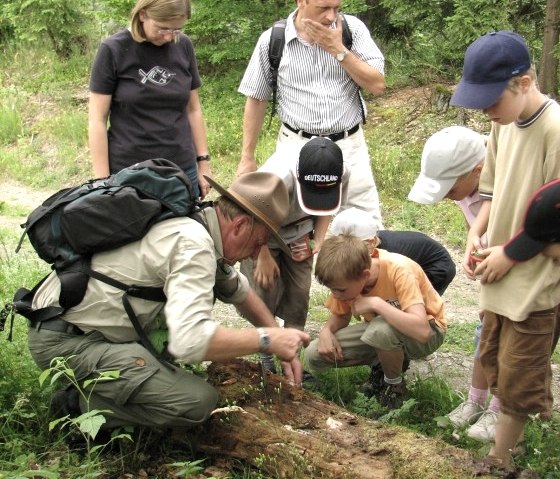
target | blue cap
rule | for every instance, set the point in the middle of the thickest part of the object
(490, 62)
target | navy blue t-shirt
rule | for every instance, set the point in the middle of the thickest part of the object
(150, 87)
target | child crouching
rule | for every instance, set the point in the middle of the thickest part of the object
(403, 315)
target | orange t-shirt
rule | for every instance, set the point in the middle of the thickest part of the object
(402, 283)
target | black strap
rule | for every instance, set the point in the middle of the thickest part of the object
(144, 292)
(275, 51)
(142, 334)
(148, 293)
(23, 301)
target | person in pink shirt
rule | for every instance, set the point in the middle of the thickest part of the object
(452, 160)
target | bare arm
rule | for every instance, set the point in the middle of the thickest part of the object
(266, 269)
(198, 128)
(253, 119)
(412, 322)
(330, 40)
(285, 343)
(99, 106)
(229, 343)
(320, 227)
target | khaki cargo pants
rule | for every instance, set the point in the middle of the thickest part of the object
(146, 393)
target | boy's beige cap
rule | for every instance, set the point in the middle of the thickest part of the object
(447, 155)
(356, 222)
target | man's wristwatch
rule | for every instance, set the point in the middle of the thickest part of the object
(264, 341)
(340, 56)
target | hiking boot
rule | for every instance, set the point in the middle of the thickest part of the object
(464, 414)
(484, 429)
(65, 402)
(268, 363)
(392, 396)
(376, 380)
(374, 384)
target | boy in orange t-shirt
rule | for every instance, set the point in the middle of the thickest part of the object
(403, 314)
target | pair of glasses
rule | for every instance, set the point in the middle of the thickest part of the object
(167, 31)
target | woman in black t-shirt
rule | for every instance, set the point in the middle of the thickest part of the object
(144, 84)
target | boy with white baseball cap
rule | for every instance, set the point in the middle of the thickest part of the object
(452, 160)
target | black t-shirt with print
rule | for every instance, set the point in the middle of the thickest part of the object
(150, 87)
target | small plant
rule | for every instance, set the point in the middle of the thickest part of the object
(90, 422)
(187, 468)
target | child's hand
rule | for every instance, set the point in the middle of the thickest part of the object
(469, 265)
(495, 265)
(266, 270)
(329, 347)
(363, 307)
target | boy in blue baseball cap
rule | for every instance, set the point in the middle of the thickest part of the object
(521, 301)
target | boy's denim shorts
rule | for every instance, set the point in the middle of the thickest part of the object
(516, 360)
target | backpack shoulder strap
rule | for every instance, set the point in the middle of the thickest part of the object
(347, 40)
(346, 33)
(275, 51)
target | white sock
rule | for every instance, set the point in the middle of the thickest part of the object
(396, 380)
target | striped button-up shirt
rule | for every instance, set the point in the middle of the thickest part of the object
(315, 93)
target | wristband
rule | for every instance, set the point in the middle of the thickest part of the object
(203, 158)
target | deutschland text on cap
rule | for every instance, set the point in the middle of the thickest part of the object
(319, 174)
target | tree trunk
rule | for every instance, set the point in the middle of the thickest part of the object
(288, 432)
(548, 78)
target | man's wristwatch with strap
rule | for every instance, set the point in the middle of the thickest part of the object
(340, 56)
(264, 341)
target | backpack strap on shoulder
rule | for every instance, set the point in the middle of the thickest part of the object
(347, 40)
(275, 51)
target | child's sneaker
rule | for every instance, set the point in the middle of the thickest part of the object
(375, 381)
(392, 396)
(484, 429)
(464, 414)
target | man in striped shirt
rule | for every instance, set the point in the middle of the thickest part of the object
(319, 83)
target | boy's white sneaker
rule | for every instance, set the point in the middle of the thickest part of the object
(465, 413)
(485, 428)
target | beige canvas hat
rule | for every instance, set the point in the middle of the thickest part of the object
(264, 196)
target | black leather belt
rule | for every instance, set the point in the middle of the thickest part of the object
(333, 136)
(58, 325)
